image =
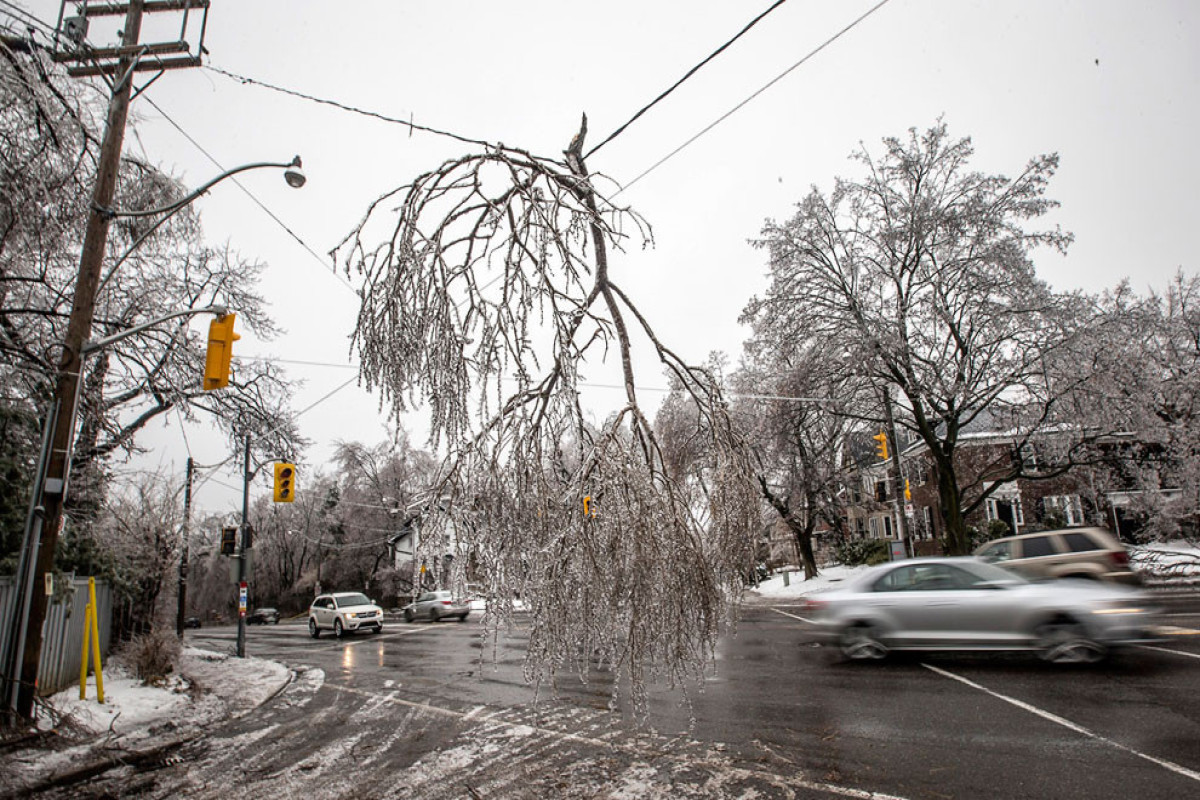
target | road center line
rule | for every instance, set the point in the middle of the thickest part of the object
(1172, 652)
(1066, 723)
(793, 616)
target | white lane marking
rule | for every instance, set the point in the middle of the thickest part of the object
(1066, 723)
(1167, 650)
(378, 637)
(794, 616)
(649, 751)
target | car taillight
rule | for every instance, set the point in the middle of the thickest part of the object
(814, 606)
(447, 602)
(1119, 557)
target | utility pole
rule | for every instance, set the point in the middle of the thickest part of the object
(121, 63)
(895, 476)
(181, 614)
(79, 328)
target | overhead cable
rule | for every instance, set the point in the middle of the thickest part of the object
(768, 85)
(687, 75)
(408, 123)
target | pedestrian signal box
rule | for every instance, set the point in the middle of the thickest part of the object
(285, 483)
(228, 541)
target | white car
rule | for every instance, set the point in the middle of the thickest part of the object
(342, 613)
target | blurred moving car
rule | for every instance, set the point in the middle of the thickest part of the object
(1070, 553)
(342, 613)
(191, 622)
(435, 605)
(263, 616)
(966, 604)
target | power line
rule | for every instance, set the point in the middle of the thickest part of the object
(687, 75)
(768, 85)
(408, 123)
(332, 269)
(19, 14)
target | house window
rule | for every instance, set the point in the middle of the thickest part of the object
(887, 527)
(927, 514)
(873, 523)
(1068, 505)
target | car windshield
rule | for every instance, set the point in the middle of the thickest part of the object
(352, 600)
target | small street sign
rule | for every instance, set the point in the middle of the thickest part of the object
(242, 599)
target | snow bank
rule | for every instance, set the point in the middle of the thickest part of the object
(828, 578)
(207, 686)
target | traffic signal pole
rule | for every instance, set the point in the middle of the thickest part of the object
(79, 328)
(241, 556)
(895, 473)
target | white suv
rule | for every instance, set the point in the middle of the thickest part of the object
(342, 613)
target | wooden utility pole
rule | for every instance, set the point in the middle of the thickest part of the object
(130, 57)
(181, 612)
(79, 328)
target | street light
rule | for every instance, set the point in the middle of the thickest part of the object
(50, 481)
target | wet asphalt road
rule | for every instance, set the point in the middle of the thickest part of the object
(414, 713)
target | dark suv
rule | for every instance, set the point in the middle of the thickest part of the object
(1069, 553)
(263, 616)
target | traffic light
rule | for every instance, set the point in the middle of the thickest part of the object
(228, 541)
(881, 448)
(589, 510)
(285, 483)
(220, 350)
(907, 490)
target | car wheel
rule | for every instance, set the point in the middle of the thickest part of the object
(408, 615)
(1065, 641)
(462, 617)
(860, 643)
(313, 630)
(338, 632)
(434, 615)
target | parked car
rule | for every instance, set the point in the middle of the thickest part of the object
(1091, 553)
(967, 604)
(343, 613)
(263, 616)
(433, 606)
(191, 622)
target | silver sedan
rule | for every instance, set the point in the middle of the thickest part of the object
(434, 606)
(966, 604)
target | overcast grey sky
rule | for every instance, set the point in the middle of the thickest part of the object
(1110, 86)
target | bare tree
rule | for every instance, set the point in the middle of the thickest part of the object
(922, 269)
(799, 403)
(489, 296)
(48, 159)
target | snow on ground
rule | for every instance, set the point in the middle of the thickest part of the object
(828, 578)
(207, 687)
(1167, 562)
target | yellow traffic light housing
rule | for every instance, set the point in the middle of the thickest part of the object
(588, 509)
(220, 351)
(882, 448)
(285, 483)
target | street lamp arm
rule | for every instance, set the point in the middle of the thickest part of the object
(100, 344)
(294, 176)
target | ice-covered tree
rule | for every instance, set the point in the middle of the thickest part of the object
(487, 295)
(921, 269)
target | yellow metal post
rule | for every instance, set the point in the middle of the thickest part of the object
(83, 661)
(95, 636)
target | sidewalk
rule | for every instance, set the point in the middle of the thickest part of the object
(136, 722)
